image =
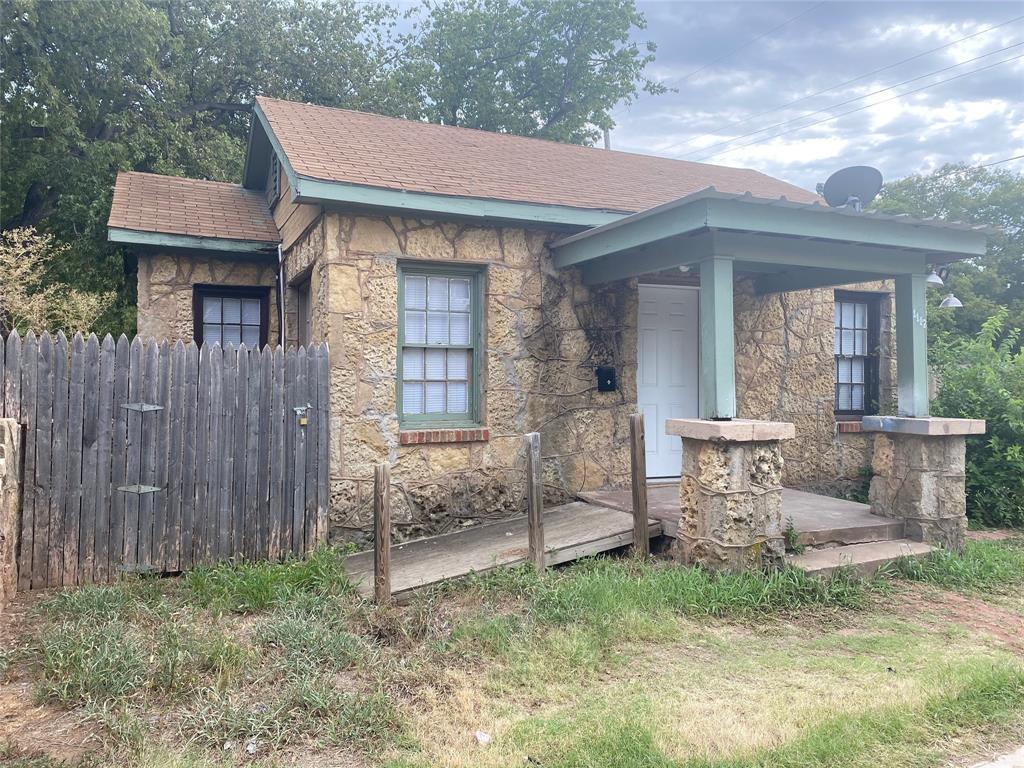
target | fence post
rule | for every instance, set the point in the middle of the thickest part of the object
(638, 469)
(382, 533)
(10, 484)
(534, 500)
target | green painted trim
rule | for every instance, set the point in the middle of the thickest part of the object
(683, 251)
(759, 248)
(803, 279)
(717, 346)
(307, 190)
(912, 346)
(443, 420)
(192, 242)
(834, 224)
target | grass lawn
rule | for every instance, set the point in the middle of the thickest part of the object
(609, 662)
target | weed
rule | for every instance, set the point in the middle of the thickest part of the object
(792, 537)
(983, 565)
(185, 658)
(254, 587)
(87, 662)
(307, 644)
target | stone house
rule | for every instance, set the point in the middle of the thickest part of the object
(474, 287)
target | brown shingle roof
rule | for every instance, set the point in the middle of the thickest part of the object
(362, 148)
(147, 202)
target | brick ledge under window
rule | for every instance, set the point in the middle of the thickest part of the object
(848, 427)
(454, 435)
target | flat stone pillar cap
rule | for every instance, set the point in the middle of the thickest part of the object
(733, 431)
(906, 425)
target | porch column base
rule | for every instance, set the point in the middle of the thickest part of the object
(918, 476)
(730, 492)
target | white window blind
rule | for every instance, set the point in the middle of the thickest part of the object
(851, 353)
(437, 347)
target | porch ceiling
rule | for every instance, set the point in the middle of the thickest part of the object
(783, 245)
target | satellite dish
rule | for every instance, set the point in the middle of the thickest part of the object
(855, 186)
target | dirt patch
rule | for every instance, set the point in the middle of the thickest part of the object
(996, 535)
(31, 730)
(974, 614)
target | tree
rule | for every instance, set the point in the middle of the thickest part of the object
(166, 86)
(548, 68)
(28, 299)
(976, 196)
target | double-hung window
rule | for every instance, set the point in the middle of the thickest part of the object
(856, 353)
(439, 345)
(231, 315)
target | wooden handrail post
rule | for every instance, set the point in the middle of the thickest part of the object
(638, 469)
(534, 500)
(382, 533)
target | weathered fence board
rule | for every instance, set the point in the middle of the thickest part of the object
(146, 456)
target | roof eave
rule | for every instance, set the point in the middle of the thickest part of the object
(188, 242)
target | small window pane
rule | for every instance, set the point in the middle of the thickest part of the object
(211, 334)
(416, 293)
(460, 328)
(412, 364)
(862, 315)
(845, 397)
(211, 310)
(847, 342)
(845, 371)
(860, 342)
(437, 293)
(459, 295)
(412, 398)
(435, 364)
(232, 311)
(232, 336)
(437, 328)
(458, 364)
(839, 348)
(847, 315)
(251, 311)
(435, 400)
(838, 314)
(416, 327)
(457, 400)
(251, 336)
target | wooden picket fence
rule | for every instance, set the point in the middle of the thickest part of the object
(159, 457)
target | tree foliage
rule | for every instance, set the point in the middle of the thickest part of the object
(983, 378)
(977, 196)
(29, 300)
(165, 86)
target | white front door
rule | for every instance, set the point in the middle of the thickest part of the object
(667, 380)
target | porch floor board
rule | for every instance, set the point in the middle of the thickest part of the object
(819, 520)
(571, 531)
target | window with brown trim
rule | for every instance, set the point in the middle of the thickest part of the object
(230, 315)
(856, 326)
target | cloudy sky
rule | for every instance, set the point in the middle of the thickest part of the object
(751, 78)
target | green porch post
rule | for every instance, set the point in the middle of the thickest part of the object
(717, 353)
(912, 345)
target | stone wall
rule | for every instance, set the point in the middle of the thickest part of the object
(785, 371)
(165, 289)
(544, 334)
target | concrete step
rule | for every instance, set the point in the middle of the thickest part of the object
(864, 559)
(862, 529)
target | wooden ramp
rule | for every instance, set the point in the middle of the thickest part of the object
(571, 531)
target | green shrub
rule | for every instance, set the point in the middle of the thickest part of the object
(983, 378)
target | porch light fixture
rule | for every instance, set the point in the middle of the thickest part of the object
(934, 280)
(951, 302)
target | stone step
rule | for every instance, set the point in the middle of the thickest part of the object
(864, 529)
(864, 559)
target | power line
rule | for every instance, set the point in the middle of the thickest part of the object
(866, 106)
(975, 167)
(851, 101)
(843, 84)
(749, 43)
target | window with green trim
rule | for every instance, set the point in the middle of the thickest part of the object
(439, 345)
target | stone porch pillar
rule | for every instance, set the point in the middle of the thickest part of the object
(919, 475)
(730, 492)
